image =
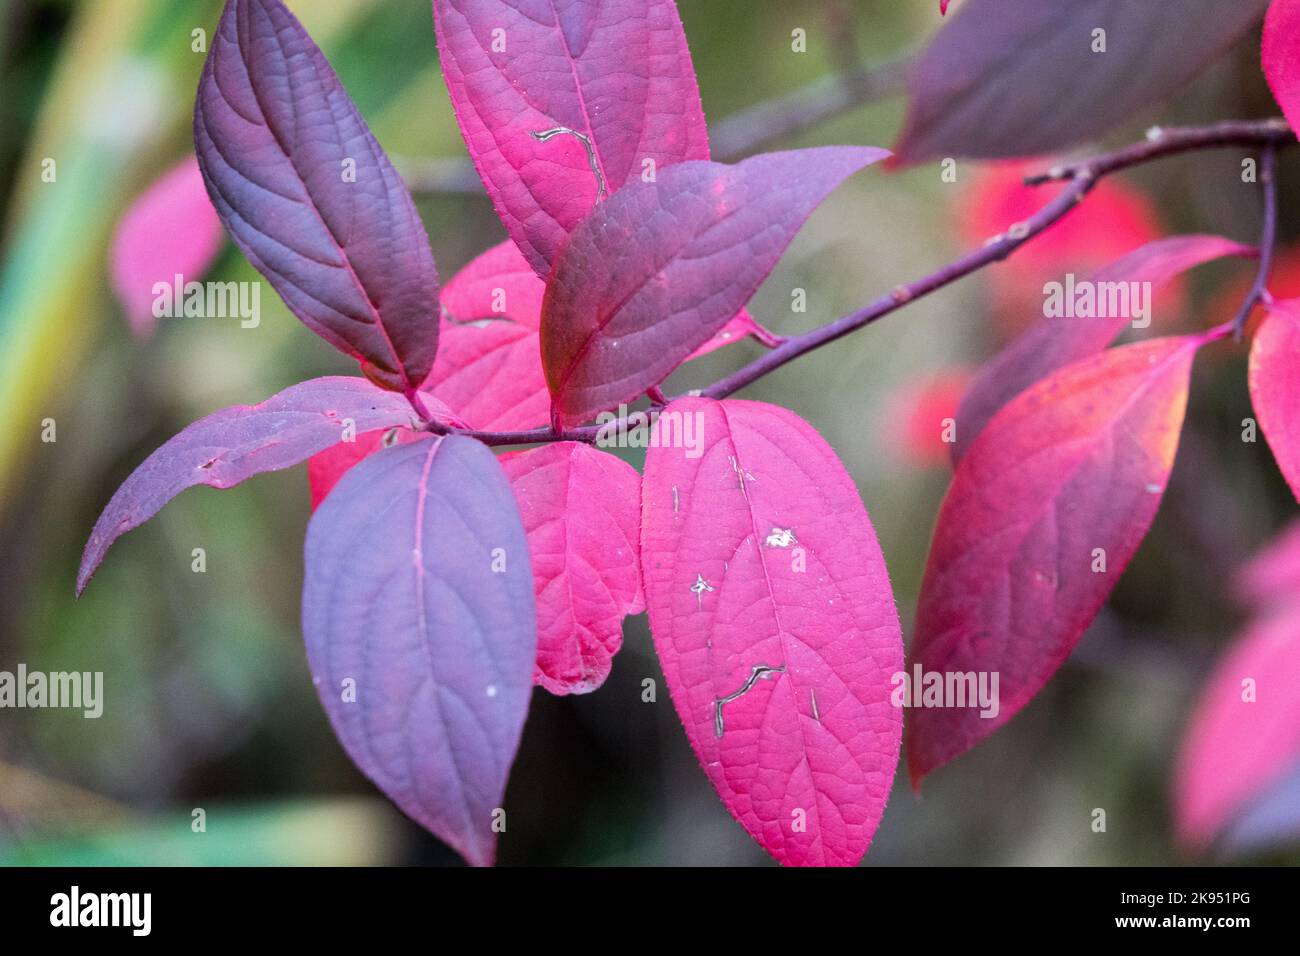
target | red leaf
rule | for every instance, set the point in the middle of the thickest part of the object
(1077, 463)
(326, 468)
(170, 230)
(1280, 55)
(1283, 283)
(742, 326)
(489, 365)
(1275, 385)
(1024, 77)
(236, 443)
(309, 196)
(1116, 220)
(581, 510)
(613, 77)
(1244, 739)
(1053, 343)
(417, 611)
(767, 592)
(659, 268)
(921, 414)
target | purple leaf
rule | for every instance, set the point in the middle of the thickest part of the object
(309, 196)
(564, 101)
(236, 443)
(418, 615)
(1025, 77)
(1053, 343)
(659, 268)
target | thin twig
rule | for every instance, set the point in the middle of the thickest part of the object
(1169, 140)
(1080, 177)
(1267, 241)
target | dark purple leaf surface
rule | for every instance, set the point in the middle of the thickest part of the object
(658, 268)
(1021, 78)
(309, 196)
(236, 443)
(418, 614)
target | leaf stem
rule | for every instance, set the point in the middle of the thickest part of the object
(1267, 242)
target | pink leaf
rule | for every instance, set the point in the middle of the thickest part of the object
(1275, 385)
(742, 326)
(236, 443)
(326, 468)
(1280, 55)
(170, 230)
(310, 197)
(1052, 343)
(489, 365)
(496, 284)
(922, 416)
(773, 618)
(417, 611)
(1117, 218)
(659, 268)
(1244, 738)
(1045, 511)
(581, 509)
(1272, 578)
(563, 102)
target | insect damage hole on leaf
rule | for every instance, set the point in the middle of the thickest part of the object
(760, 672)
(546, 135)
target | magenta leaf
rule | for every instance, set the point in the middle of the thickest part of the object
(740, 327)
(170, 230)
(1275, 385)
(1280, 55)
(659, 268)
(310, 197)
(236, 443)
(774, 620)
(1023, 77)
(1045, 511)
(1273, 576)
(325, 469)
(1244, 736)
(489, 365)
(581, 509)
(1237, 776)
(1054, 342)
(417, 610)
(562, 102)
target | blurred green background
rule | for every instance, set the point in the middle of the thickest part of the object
(209, 704)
